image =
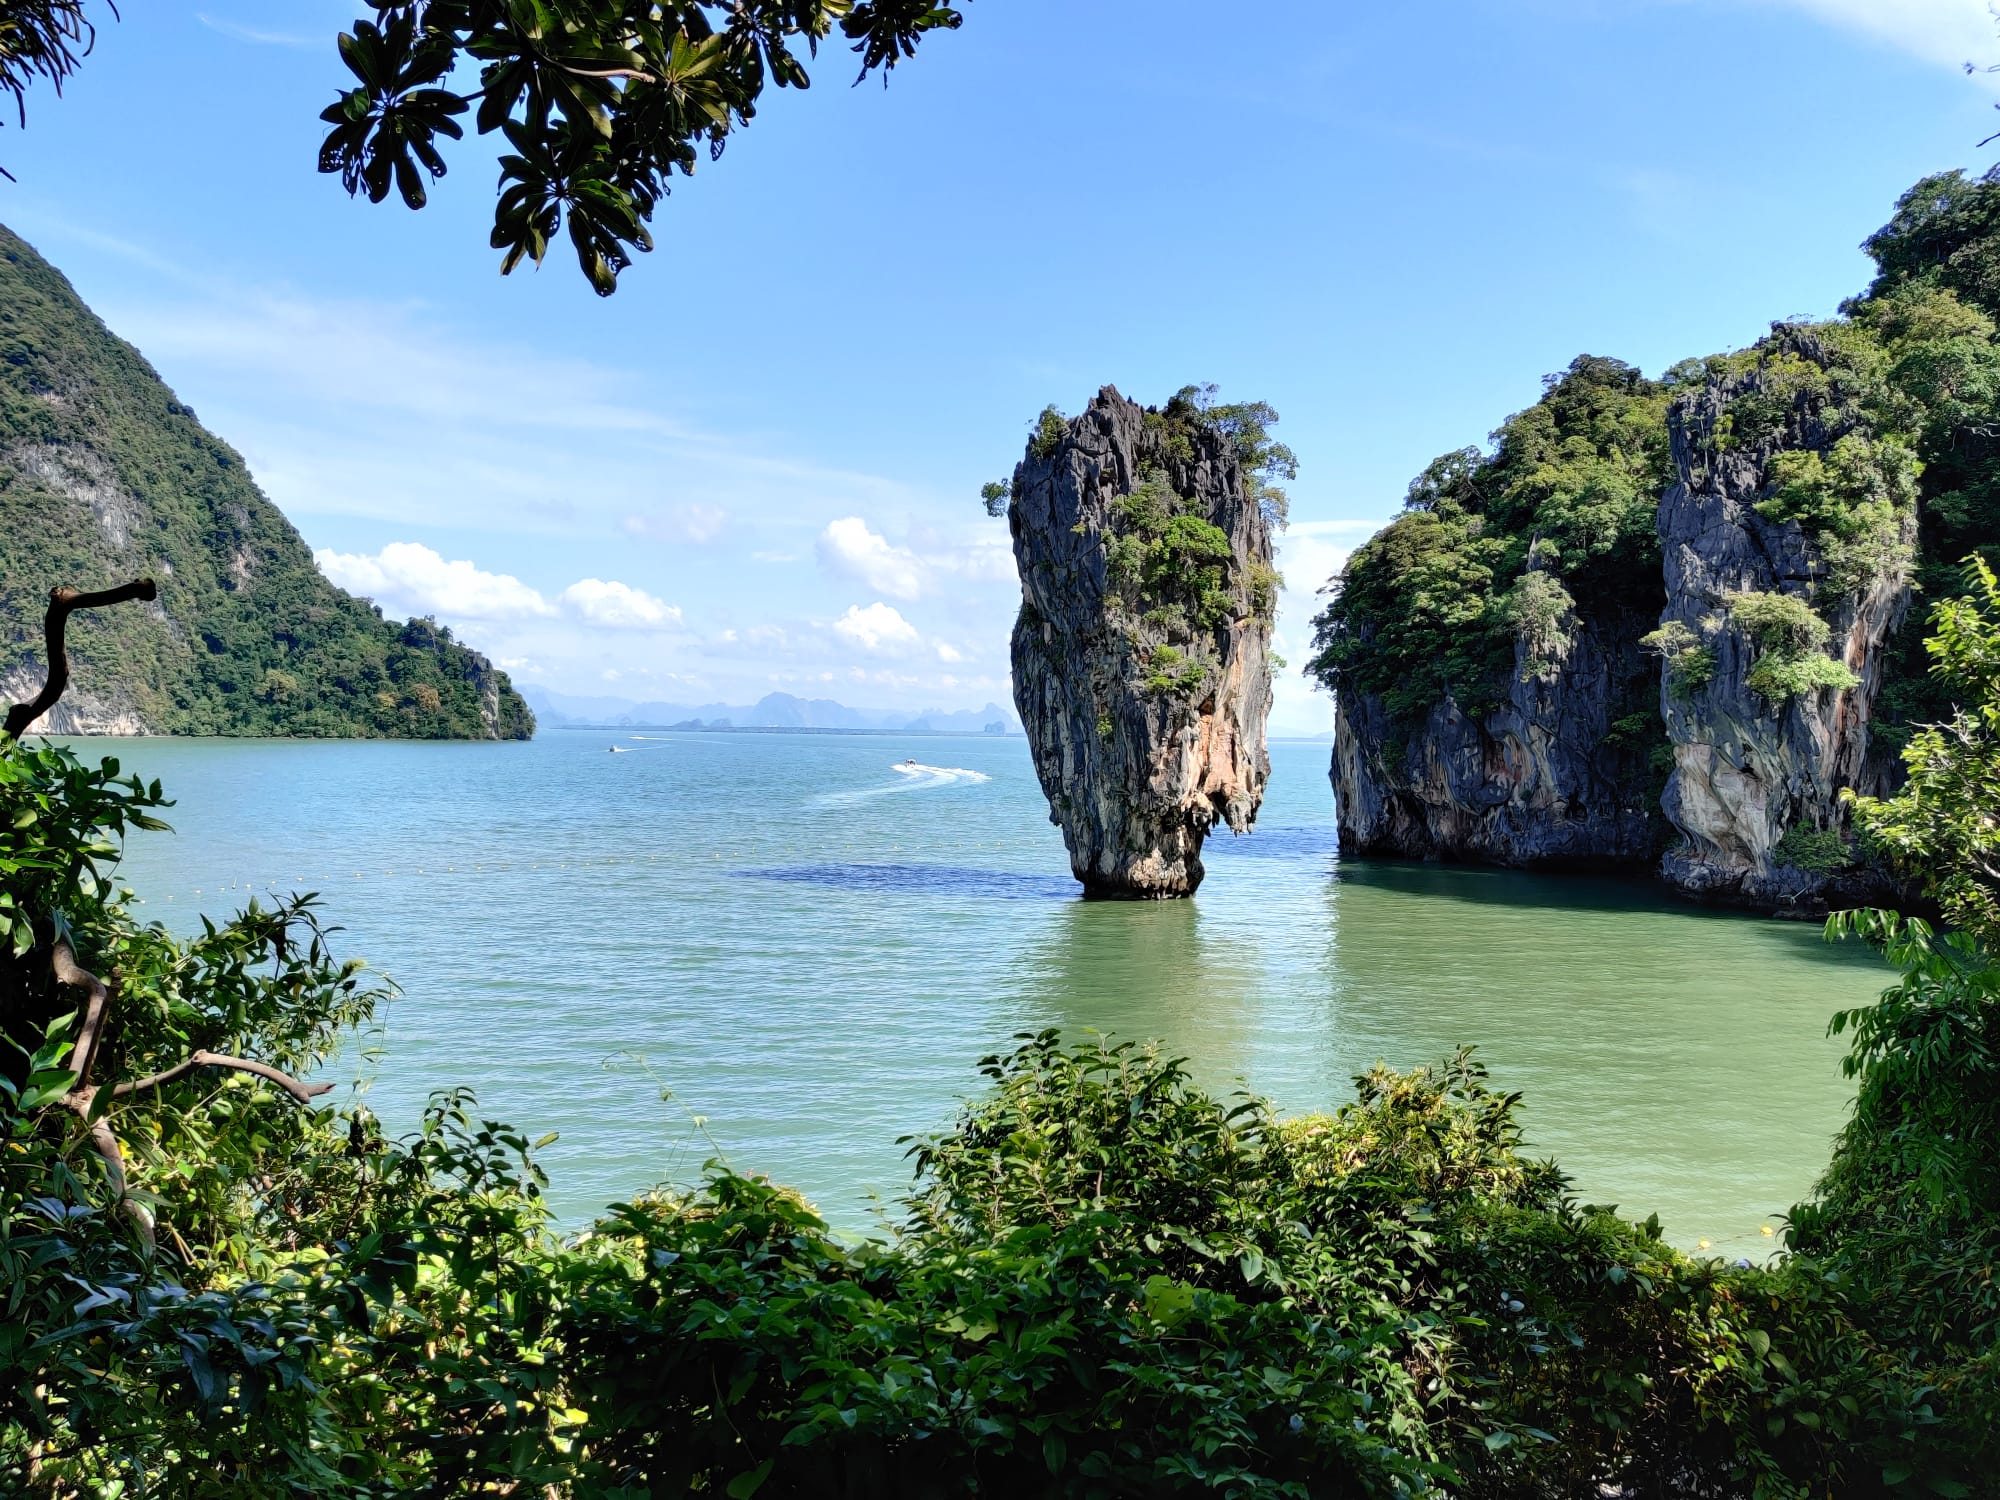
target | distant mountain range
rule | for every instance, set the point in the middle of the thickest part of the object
(773, 711)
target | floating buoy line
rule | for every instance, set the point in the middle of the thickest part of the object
(331, 880)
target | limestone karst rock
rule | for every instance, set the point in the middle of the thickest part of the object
(1700, 708)
(1142, 652)
(1753, 762)
(1493, 702)
(1540, 780)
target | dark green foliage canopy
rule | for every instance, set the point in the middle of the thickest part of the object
(600, 102)
(104, 475)
(1432, 605)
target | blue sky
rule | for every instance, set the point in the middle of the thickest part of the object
(757, 466)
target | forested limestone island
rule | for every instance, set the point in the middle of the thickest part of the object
(104, 474)
(1666, 623)
(1142, 661)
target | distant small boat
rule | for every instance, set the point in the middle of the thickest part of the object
(620, 750)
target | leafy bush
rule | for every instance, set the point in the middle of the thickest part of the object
(1264, 583)
(1781, 678)
(1940, 827)
(1161, 557)
(1818, 851)
(1690, 664)
(1173, 674)
(1541, 611)
(1791, 641)
(1247, 425)
(1050, 429)
(1853, 499)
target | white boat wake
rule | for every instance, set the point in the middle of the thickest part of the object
(915, 778)
(935, 775)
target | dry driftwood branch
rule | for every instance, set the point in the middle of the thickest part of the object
(62, 604)
(62, 962)
(82, 1096)
(305, 1093)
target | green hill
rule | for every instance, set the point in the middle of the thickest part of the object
(105, 476)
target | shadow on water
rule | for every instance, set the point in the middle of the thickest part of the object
(923, 880)
(1572, 892)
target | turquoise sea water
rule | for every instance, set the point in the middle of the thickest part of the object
(811, 948)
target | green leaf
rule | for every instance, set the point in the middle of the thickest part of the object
(746, 1484)
(45, 1087)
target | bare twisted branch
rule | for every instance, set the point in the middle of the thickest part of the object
(62, 603)
(82, 1098)
(305, 1093)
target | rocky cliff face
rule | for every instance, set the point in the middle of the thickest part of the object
(1141, 654)
(1555, 776)
(1754, 763)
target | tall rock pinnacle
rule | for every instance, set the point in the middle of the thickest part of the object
(1141, 656)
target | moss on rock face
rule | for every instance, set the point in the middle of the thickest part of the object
(105, 475)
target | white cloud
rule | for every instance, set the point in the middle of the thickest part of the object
(393, 412)
(256, 35)
(408, 578)
(878, 630)
(617, 605)
(1950, 32)
(848, 548)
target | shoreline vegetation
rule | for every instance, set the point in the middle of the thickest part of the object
(1104, 1280)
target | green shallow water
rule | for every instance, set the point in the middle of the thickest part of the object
(811, 950)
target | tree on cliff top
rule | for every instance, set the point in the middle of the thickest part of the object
(601, 102)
